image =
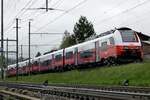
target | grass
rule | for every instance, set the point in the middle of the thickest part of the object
(138, 74)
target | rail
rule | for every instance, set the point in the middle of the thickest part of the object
(86, 92)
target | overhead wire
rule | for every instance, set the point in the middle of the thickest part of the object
(67, 11)
(80, 3)
(140, 19)
(125, 11)
(21, 12)
(56, 4)
(45, 13)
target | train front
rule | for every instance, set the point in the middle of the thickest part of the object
(128, 45)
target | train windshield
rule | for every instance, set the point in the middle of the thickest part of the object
(128, 36)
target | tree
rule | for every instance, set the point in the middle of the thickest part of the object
(68, 40)
(38, 54)
(83, 30)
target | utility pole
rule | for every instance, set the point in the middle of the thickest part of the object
(7, 52)
(17, 28)
(46, 8)
(2, 45)
(46, 5)
(21, 53)
(29, 46)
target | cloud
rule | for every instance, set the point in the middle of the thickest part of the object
(99, 12)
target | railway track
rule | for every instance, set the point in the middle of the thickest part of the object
(85, 92)
(15, 96)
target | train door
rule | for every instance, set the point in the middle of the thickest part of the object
(26, 68)
(63, 56)
(39, 64)
(76, 56)
(53, 66)
(97, 51)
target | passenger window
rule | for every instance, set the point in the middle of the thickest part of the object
(58, 57)
(104, 46)
(112, 41)
(46, 63)
(69, 55)
(36, 63)
(86, 54)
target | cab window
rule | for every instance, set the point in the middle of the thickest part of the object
(128, 36)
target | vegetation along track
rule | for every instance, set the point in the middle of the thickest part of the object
(83, 92)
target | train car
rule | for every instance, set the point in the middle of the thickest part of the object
(23, 67)
(20, 68)
(70, 57)
(42, 63)
(87, 53)
(58, 59)
(36, 65)
(128, 45)
(26, 67)
(46, 62)
(11, 71)
(106, 49)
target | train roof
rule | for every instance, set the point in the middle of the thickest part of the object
(21, 64)
(11, 66)
(46, 57)
(61, 50)
(90, 41)
(124, 28)
(43, 57)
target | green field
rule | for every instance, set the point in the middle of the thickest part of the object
(138, 74)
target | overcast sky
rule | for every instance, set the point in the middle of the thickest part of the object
(104, 14)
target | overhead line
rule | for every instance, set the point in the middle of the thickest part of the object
(125, 11)
(57, 2)
(63, 14)
(36, 45)
(19, 13)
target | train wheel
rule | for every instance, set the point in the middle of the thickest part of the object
(106, 62)
(112, 61)
(138, 60)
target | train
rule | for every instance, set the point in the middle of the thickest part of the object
(111, 47)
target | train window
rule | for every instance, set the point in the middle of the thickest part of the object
(58, 57)
(69, 55)
(104, 46)
(128, 36)
(112, 41)
(86, 54)
(46, 63)
(36, 63)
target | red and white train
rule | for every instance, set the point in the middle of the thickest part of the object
(114, 46)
